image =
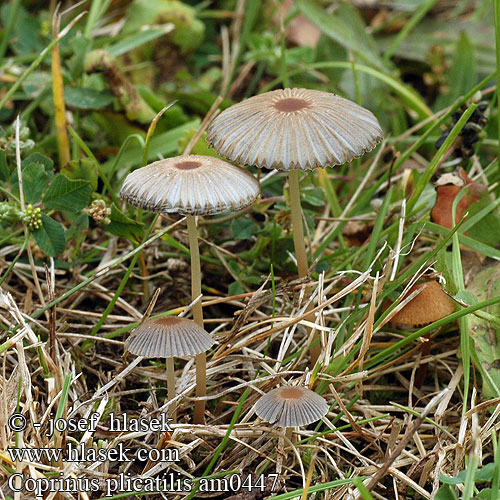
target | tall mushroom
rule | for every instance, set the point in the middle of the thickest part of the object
(191, 185)
(292, 130)
(168, 337)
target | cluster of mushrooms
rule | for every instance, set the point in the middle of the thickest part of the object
(289, 129)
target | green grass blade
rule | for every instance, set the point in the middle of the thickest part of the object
(495, 482)
(417, 16)
(436, 160)
(8, 28)
(126, 142)
(313, 489)
(100, 170)
(222, 446)
(406, 93)
(482, 248)
(497, 45)
(43, 54)
(429, 328)
(458, 277)
(363, 490)
(151, 131)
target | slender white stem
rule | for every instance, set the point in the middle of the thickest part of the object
(300, 248)
(172, 413)
(201, 359)
(298, 229)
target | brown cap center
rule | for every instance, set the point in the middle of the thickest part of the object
(291, 393)
(291, 104)
(167, 320)
(188, 165)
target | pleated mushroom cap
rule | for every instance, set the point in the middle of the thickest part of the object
(291, 406)
(294, 129)
(168, 337)
(428, 306)
(190, 185)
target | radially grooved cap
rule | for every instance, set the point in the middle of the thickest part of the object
(190, 185)
(294, 129)
(291, 406)
(167, 337)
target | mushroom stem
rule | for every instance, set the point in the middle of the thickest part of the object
(298, 229)
(288, 436)
(171, 387)
(201, 359)
(300, 247)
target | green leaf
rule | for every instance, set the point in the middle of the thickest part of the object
(87, 98)
(50, 236)
(78, 232)
(79, 225)
(136, 40)
(486, 494)
(164, 144)
(35, 180)
(64, 194)
(453, 480)
(462, 74)
(25, 38)
(235, 288)
(445, 493)
(80, 45)
(172, 117)
(467, 297)
(484, 333)
(188, 32)
(478, 246)
(243, 228)
(485, 473)
(347, 28)
(82, 169)
(37, 83)
(200, 148)
(315, 196)
(42, 161)
(322, 266)
(124, 226)
(47, 163)
(4, 170)
(487, 228)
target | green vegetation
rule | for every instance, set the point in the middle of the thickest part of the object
(92, 92)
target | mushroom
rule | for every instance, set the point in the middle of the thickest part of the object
(292, 130)
(291, 406)
(192, 185)
(430, 305)
(168, 337)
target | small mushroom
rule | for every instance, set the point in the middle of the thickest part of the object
(430, 305)
(291, 406)
(168, 337)
(192, 185)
